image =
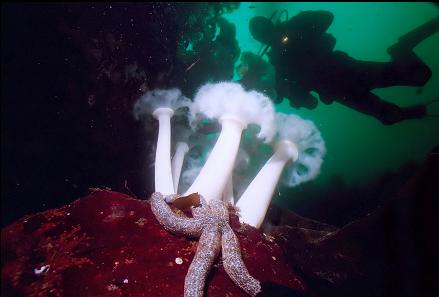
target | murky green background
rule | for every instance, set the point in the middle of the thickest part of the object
(359, 148)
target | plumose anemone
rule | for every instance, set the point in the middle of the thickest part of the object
(234, 108)
(298, 146)
(162, 104)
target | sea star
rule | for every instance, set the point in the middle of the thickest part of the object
(210, 223)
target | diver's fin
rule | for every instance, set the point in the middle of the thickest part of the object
(420, 33)
(410, 40)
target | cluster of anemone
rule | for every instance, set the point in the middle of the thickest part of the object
(297, 146)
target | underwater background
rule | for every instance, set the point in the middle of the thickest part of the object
(360, 150)
(66, 108)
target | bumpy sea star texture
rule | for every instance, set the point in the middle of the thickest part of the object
(210, 223)
(109, 244)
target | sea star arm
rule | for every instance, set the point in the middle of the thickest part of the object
(208, 249)
(201, 210)
(234, 265)
(171, 221)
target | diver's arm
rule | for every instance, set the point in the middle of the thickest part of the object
(296, 94)
(301, 98)
(316, 21)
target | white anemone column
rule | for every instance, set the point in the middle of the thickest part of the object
(212, 179)
(228, 191)
(163, 171)
(177, 162)
(256, 199)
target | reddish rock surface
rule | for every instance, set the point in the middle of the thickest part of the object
(109, 244)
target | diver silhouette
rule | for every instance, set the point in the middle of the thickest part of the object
(303, 55)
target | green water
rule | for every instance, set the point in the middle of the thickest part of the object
(359, 148)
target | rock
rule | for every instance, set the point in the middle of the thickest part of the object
(388, 252)
(109, 244)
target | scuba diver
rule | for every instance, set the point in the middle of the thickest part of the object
(303, 55)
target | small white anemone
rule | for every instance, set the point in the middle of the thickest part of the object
(158, 98)
(162, 104)
(310, 144)
(298, 146)
(180, 135)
